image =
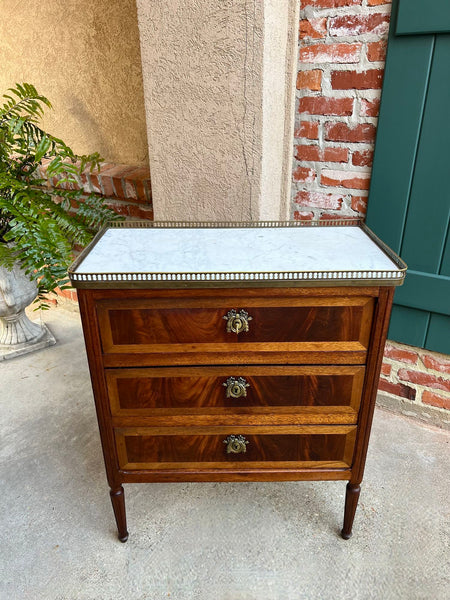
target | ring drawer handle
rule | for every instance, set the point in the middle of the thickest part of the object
(236, 388)
(236, 444)
(237, 321)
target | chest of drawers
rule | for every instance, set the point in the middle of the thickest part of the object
(235, 352)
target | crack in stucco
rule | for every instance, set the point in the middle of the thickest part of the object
(244, 117)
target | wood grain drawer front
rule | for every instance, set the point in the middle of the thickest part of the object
(197, 448)
(200, 325)
(314, 394)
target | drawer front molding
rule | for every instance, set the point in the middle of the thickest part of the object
(296, 447)
(172, 392)
(197, 325)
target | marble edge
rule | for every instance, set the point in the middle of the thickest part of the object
(244, 279)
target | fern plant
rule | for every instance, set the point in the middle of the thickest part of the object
(38, 225)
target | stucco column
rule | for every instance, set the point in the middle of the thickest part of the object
(219, 93)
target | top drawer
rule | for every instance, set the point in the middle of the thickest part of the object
(235, 325)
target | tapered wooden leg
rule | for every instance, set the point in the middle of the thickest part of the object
(118, 503)
(351, 502)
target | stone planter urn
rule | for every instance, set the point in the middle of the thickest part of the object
(19, 335)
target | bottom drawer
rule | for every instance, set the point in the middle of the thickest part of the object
(315, 447)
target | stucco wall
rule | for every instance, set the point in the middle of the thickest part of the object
(202, 64)
(85, 57)
(219, 103)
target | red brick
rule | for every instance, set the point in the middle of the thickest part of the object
(347, 179)
(329, 3)
(306, 152)
(119, 208)
(359, 204)
(435, 400)
(377, 2)
(139, 173)
(308, 129)
(362, 158)
(369, 108)
(335, 154)
(351, 25)
(321, 105)
(313, 152)
(313, 28)
(398, 389)
(129, 189)
(304, 174)
(436, 363)
(376, 51)
(319, 200)
(143, 190)
(300, 215)
(341, 132)
(426, 379)
(309, 80)
(330, 53)
(333, 216)
(138, 212)
(67, 293)
(406, 356)
(95, 183)
(116, 174)
(85, 183)
(105, 182)
(386, 369)
(107, 185)
(357, 80)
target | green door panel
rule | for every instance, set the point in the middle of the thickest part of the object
(408, 325)
(398, 134)
(429, 201)
(425, 291)
(423, 16)
(409, 199)
(438, 334)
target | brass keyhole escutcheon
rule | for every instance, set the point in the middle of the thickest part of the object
(237, 322)
(236, 388)
(236, 444)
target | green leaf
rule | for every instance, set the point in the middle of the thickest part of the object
(38, 224)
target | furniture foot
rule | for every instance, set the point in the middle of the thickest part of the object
(118, 503)
(351, 502)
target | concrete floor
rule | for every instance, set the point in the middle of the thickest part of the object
(255, 541)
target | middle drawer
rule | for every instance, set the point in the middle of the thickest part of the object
(309, 394)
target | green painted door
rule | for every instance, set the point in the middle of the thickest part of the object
(409, 200)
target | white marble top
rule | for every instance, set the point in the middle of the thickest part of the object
(235, 250)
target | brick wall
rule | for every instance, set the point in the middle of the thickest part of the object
(341, 62)
(420, 378)
(126, 189)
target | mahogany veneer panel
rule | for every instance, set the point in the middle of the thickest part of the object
(141, 448)
(198, 325)
(188, 390)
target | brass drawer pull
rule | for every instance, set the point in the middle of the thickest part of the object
(236, 444)
(236, 388)
(237, 321)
